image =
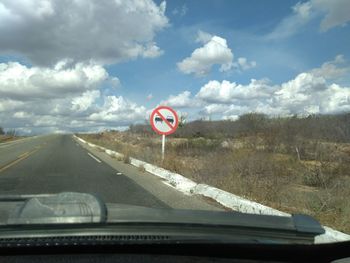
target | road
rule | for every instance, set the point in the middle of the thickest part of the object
(58, 163)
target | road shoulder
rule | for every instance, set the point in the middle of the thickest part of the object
(154, 184)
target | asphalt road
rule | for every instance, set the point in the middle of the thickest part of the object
(56, 163)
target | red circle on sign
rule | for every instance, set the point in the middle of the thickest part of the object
(156, 111)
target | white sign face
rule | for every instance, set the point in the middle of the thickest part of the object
(164, 120)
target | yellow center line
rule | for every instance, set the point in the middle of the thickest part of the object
(12, 163)
(23, 154)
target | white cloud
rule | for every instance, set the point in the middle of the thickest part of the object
(339, 99)
(22, 115)
(337, 12)
(180, 11)
(66, 97)
(8, 105)
(305, 94)
(18, 81)
(118, 109)
(223, 109)
(227, 92)
(71, 114)
(301, 15)
(243, 64)
(83, 102)
(67, 43)
(309, 92)
(152, 51)
(215, 108)
(298, 94)
(332, 69)
(202, 59)
(46, 121)
(334, 13)
(203, 37)
(48, 31)
(302, 9)
(182, 100)
(114, 82)
(215, 51)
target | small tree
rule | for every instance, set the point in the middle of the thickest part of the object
(2, 132)
(11, 132)
(182, 120)
(252, 123)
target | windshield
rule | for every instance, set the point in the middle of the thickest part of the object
(199, 105)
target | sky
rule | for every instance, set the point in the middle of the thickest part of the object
(87, 66)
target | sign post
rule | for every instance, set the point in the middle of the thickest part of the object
(164, 121)
(163, 146)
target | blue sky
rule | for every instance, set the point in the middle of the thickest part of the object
(109, 66)
(244, 26)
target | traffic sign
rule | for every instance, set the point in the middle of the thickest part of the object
(164, 120)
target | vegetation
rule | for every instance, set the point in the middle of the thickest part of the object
(320, 127)
(7, 135)
(298, 165)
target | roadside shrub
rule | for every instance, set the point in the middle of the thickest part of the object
(142, 168)
(126, 157)
(173, 163)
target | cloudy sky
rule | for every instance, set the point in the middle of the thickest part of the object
(88, 65)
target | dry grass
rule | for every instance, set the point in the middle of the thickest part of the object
(254, 167)
(7, 138)
(142, 169)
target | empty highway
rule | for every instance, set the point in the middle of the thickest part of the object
(58, 163)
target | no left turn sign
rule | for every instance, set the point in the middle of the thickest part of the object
(164, 120)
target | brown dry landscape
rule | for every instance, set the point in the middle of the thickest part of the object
(294, 164)
(6, 138)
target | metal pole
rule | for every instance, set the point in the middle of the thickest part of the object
(163, 146)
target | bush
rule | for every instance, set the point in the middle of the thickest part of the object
(126, 157)
(286, 130)
(142, 168)
(252, 123)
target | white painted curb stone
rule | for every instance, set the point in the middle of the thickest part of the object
(235, 202)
